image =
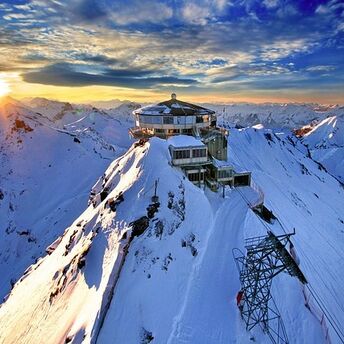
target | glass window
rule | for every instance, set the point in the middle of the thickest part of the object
(156, 119)
(179, 120)
(195, 177)
(199, 153)
(224, 174)
(168, 120)
(181, 154)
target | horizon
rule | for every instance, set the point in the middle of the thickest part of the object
(242, 51)
(217, 103)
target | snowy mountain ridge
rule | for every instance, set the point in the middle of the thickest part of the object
(178, 280)
(289, 115)
(325, 143)
(270, 115)
(111, 267)
(47, 168)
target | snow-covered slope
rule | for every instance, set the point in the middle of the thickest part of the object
(178, 281)
(113, 104)
(46, 171)
(50, 108)
(195, 304)
(326, 144)
(272, 115)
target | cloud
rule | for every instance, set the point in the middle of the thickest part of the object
(99, 58)
(63, 74)
(90, 10)
(195, 14)
(281, 49)
(270, 3)
(320, 68)
(203, 44)
(202, 11)
(140, 12)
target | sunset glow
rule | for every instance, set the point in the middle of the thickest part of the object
(218, 50)
(4, 88)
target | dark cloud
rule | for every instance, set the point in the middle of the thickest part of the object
(90, 10)
(33, 57)
(63, 74)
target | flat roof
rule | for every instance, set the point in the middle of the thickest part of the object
(185, 141)
(221, 164)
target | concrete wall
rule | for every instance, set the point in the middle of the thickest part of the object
(217, 147)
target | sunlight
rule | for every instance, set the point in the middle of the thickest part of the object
(4, 88)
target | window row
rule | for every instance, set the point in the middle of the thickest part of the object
(181, 154)
(199, 153)
(185, 154)
(195, 177)
(150, 119)
(224, 174)
(181, 120)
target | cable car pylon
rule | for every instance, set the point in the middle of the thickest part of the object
(266, 257)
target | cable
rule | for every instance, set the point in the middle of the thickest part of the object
(332, 319)
(335, 327)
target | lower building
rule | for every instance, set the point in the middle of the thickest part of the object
(199, 165)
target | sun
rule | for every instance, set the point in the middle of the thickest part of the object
(4, 88)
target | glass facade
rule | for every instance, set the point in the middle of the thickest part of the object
(224, 174)
(151, 119)
(181, 154)
(168, 120)
(199, 153)
(195, 177)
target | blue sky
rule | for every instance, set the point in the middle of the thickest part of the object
(213, 49)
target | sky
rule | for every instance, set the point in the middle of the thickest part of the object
(204, 50)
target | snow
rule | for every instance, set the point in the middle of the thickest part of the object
(179, 141)
(45, 178)
(221, 163)
(176, 281)
(194, 301)
(153, 110)
(326, 144)
(270, 115)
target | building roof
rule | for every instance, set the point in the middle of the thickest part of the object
(220, 164)
(174, 107)
(180, 141)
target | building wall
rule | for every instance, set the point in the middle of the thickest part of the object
(189, 160)
(242, 179)
(217, 147)
(172, 122)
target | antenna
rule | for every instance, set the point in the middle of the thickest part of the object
(155, 198)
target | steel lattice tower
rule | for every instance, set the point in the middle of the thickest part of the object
(266, 257)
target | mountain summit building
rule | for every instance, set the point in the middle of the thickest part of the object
(196, 143)
(172, 117)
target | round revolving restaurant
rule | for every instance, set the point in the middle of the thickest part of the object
(172, 117)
